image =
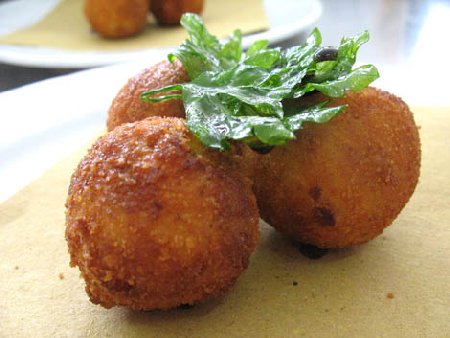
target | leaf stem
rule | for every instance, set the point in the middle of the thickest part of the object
(149, 95)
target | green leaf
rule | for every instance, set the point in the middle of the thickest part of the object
(348, 50)
(198, 33)
(256, 46)
(264, 58)
(203, 51)
(317, 114)
(315, 38)
(356, 80)
(244, 96)
(274, 133)
(149, 96)
(231, 52)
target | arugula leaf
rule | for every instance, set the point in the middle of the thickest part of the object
(256, 46)
(203, 51)
(356, 80)
(231, 52)
(240, 96)
(264, 58)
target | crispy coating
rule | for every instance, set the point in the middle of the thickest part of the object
(127, 106)
(117, 18)
(341, 183)
(154, 220)
(169, 12)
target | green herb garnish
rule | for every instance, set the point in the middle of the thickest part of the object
(239, 96)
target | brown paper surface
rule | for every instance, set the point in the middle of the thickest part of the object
(282, 294)
(66, 27)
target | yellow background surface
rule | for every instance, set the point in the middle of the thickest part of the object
(66, 27)
(343, 294)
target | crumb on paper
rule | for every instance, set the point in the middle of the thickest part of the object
(61, 276)
(16, 267)
(390, 295)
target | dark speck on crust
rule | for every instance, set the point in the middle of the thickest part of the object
(315, 192)
(324, 217)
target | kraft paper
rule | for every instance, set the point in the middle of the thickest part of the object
(395, 286)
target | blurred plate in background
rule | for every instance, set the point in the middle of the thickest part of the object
(289, 19)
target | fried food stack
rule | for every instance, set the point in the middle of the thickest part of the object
(156, 220)
(116, 19)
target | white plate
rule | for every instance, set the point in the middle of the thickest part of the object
(287, 18)
(46, 121)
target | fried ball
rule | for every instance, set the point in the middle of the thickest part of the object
(117, 18)
(342, 182)
(169, 12)
(155, 220)
(127, 105)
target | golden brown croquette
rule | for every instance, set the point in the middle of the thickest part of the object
(342, 182)
(154, 219)
(169, 12)
(117, 18)
(127, 105)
